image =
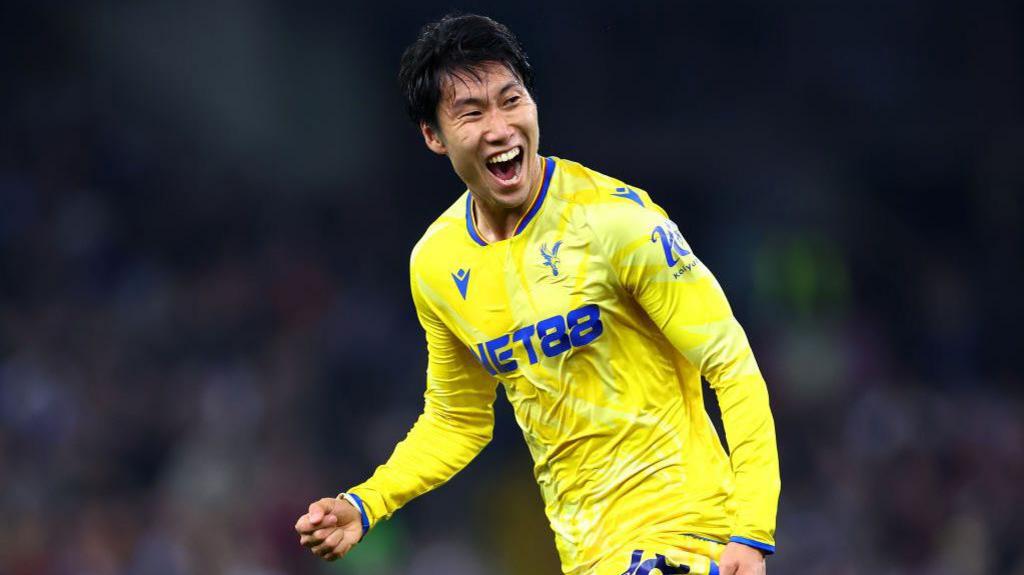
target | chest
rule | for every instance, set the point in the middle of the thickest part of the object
(530, 299)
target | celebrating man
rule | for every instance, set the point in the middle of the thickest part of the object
(577, 293)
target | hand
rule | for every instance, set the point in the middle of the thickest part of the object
(740, 559)
(330, 529)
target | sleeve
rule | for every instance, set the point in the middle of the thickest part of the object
(657, 267)
(456, 423)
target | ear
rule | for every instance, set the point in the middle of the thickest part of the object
(433, 138)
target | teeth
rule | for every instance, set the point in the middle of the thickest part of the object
(504, 157)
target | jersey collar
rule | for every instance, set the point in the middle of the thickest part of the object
(549, 170)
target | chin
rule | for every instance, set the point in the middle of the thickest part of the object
(511, 199)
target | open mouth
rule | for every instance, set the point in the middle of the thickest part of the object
(506, 165)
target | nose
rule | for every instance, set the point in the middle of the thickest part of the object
(498, 128)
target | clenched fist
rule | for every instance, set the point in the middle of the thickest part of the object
(331, 528)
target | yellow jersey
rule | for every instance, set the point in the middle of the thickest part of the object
(599, 321)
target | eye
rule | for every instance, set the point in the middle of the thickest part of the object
(513, 100)
(471, 114)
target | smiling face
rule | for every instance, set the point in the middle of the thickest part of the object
(487, 126)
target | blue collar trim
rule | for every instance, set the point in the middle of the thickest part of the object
(549, 170)
(469, 220)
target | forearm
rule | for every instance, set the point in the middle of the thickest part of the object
(440, 444)
(750, 431)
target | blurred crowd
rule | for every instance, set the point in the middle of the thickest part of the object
(204, 317)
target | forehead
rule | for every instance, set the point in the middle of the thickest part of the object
(476, 82)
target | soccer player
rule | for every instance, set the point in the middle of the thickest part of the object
(577, 293)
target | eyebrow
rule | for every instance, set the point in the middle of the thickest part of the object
(470, 100)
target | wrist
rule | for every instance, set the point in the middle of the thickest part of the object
(356, 502)
(764, 548)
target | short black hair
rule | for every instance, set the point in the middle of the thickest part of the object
(453, 44)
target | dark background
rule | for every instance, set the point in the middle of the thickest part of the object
(206, 212)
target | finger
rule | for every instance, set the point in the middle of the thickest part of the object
(303, 527)
(331, 543)
(329, 509)
(329, 520)
(320, 509)
(323, 534)
(339, 551)
(316, 512)
(317, 537)
(309, 541)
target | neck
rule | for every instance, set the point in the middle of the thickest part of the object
(495, 222)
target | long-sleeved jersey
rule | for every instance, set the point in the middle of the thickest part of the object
(599, 321)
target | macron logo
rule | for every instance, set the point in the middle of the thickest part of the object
(461, 281)
(629, 194)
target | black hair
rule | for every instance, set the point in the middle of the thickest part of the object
(452, 45)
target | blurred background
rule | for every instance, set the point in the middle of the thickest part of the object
(206, 213)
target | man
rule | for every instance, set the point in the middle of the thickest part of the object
(579, 295)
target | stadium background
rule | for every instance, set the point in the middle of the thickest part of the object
(207, 209)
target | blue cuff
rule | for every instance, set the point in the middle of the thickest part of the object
(768, 549)
(362, 513)
(714, 569)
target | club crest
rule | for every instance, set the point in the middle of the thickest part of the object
(551, 257)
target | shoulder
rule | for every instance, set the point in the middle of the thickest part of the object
(439, 237)
(609, 206)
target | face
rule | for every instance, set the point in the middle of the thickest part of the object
(487, 127)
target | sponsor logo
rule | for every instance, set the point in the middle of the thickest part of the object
(684, 268)
(461, 278)
(550, 337)
(671, 242)
(551, 257)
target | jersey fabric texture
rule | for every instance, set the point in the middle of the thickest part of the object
(599, 321)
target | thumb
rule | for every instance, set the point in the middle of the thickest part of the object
(318, 509)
